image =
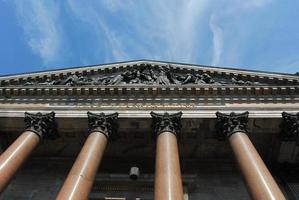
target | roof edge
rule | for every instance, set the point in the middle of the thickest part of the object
(147, 60)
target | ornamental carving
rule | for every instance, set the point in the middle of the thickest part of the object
(167, 122)
(142, 75)
(228, 124)
(106, 124)
(44, 125)
(289, 126)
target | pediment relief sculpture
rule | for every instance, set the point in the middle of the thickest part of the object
(146, 75)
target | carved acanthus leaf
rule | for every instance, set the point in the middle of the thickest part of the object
(104, 123)
(228, 124)
(42, 124)
(166, 122)
(290, 126)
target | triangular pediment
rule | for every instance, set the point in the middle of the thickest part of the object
(147, 73)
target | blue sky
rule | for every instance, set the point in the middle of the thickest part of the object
(252, 34)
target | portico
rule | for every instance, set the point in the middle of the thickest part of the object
(178, 127)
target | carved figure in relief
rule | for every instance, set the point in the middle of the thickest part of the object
(49, 82)
(74, 80)
(104, 80)
(136, 79)
(242, 82)
(148, 76)
(115, 80)
(189, 78)
(28, 83)
(195, 78)
(129, 75)
(207, 78)
(161, 75)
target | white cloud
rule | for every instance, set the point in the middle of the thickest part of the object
(193, 31)
(256, 3)
(158, 30)
(106, 37)
(217, 40)
(113, 5)
(187, 29)
(39, 20)
(231, 36)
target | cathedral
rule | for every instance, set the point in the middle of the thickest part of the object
(144, 130)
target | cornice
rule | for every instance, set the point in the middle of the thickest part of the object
(246, 75)
(145, 90)
(120, 65)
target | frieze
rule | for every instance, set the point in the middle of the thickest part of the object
(142, 75)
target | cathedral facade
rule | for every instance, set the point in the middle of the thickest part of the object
(149, 130)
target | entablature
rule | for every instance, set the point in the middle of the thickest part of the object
(146, 90)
